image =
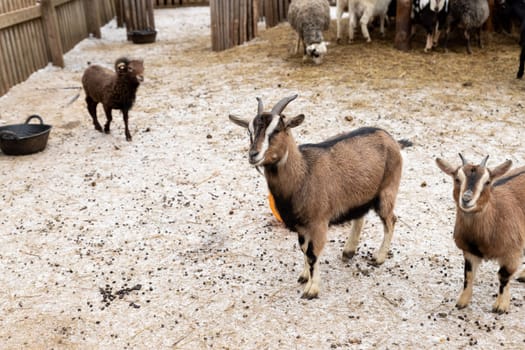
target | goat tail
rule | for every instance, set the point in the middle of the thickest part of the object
(404, 143)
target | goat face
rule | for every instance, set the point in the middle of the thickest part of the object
(269, 133)
(472, 183)
(133, 68)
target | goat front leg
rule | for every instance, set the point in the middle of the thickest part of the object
(471, 266)
(508, 267)
(109, 118)
(353, 239)
(92, 109)
(314, 242)
(339, 16)
(305, 275)
(351, 26)
(125, 116)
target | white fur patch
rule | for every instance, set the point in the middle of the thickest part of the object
(266, 143)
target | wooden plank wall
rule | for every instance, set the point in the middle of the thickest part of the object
(25, 43)
(275, 11)
(233, 22)
(177, 3)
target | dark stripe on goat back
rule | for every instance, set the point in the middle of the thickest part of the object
(343, 137)
(504, 180)
(356, 213)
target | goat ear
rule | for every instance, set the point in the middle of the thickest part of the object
(295, 121)
(446, 167)
(501, 169)
(239, 121)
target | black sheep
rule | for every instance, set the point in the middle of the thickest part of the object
(507, 12)
(115, 90)
(431, 15)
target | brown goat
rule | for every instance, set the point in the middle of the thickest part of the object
(490, 222)
(115, 90)
(315, 185)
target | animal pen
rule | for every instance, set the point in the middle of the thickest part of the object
(34, 34)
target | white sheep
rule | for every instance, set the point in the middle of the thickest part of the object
(309, 18)
(364, 11)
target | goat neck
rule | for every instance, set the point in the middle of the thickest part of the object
(287, 175)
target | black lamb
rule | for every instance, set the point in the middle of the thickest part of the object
(115, 90)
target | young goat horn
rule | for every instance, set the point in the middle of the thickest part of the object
(281, 105)
(484, 162)
(260, 108)
(464, 160)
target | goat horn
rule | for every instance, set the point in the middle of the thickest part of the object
(463, 159)
(484, 162)
(260, 108)
(281, 105)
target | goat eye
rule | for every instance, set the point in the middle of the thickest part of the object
(487, 183)
(456, 180)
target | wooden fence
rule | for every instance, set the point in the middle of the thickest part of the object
(233, 22)
(33, 34)
(177, 3)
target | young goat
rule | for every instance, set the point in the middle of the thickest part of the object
(116, 90)
(364, 11)
(507, 13)
(490, 222)
(315, 185)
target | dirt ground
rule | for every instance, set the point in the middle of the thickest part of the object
(168, 242)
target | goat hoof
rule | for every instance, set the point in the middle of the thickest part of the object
(98, 128)
(498, 310)
(339, 41)
(128, 138)
(302, 279)
(309, 296)
(460, 306)
(348, 255)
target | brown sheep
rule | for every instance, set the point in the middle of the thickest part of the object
(115, 90)
(490, 222)
(315, 185)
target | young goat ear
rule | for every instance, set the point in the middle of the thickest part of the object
(239, 121)
(501, 169)
(446, 167)
(295, 121)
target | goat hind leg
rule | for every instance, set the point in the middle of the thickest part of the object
(364, 26)
(353, 239)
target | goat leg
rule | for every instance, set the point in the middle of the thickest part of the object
(109, 118)
(471, 266)
(305, 275)
(314, 243)
(92, 109)
(125, 116)
(353, 239)
(522, 62)
(502, 303)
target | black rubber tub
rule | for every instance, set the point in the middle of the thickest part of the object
(20, 139)
(143, 36)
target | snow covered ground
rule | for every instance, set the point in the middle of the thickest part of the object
(168, 242)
